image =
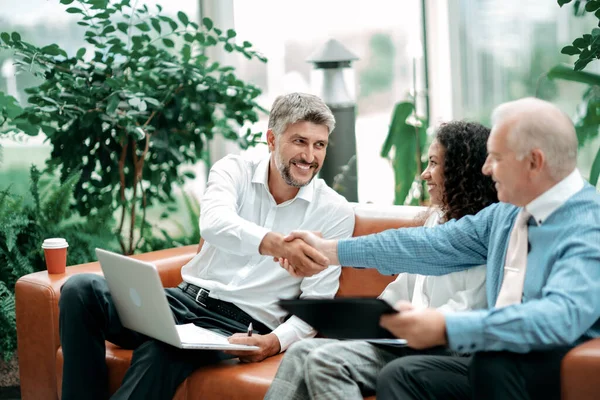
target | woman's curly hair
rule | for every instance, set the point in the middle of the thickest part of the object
(466, 189)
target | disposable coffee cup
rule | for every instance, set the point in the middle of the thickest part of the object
(55, 251)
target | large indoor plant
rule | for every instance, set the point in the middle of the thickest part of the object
(404, 146)
(587, 49)
(130, 108)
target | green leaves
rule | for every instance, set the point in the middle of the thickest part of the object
(592, 5)
(112, 104)
(207, 22)
(563, 2)
(25, 221)
(9, 108)
(74, 10)
(595, 170)
(210, 40)
(587, 119)
(183, 18)
(51, 50)
(122, 26)
(156, 25)
(143, 27)
(139, 84)
(169, 21)
(402, 138)
(108, 29)
(586, 47)
(570, 50)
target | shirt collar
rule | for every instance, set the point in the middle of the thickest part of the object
(261, 175)
(549, 201)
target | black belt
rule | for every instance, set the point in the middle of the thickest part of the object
(229, 310)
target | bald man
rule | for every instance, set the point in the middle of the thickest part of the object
(543, 290)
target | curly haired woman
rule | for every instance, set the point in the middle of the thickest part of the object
(332, 369)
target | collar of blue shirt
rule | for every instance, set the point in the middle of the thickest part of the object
(548, 202)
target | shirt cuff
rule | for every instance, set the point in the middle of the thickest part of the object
(465, 330)
(287, 335)
(351, 255)
(253, 236)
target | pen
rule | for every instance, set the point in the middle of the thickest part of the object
(250, 329)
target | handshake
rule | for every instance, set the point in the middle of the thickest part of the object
(301, 253)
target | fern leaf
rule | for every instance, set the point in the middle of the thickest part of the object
(8, 322)
(35, 174)
(57, 206)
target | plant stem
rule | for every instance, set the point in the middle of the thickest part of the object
(134, 196)
(124, 146)
(133, 10)
(137, 244)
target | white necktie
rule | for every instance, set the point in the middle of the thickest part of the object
(515, 264)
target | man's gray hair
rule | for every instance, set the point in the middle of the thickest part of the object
(295, 107)
(536, 123)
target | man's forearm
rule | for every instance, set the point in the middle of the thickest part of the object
(329, 250)
(272, 245)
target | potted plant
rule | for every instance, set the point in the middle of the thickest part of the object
(126, 111)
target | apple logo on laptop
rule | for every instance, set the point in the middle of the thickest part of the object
(135, 297)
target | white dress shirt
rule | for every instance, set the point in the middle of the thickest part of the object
(457, 291)
(236, 212)
(545, 204)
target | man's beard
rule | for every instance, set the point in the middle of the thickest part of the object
(286, 173)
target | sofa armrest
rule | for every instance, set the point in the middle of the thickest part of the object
(36, 298)
(579, 372)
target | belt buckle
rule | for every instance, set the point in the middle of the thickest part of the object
(202, 292)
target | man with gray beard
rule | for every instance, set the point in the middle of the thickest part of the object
(248, 208)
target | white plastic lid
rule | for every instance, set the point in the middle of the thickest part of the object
(55, 243)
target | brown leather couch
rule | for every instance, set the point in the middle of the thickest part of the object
(40, 355)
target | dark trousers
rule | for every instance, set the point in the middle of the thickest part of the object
(486, 375)
(88, 317)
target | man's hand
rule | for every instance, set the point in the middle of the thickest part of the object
(280, 260)
(422, 328)
(298, 252)
(326, 247)
(269, 346)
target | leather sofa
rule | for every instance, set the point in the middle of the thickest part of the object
(40, 355)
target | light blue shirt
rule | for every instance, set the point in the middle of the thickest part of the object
(561, 294)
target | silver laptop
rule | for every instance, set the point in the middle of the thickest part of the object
(142, 306)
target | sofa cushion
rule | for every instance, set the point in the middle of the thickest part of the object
(229, 379)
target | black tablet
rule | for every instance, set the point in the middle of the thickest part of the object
(342, 318)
